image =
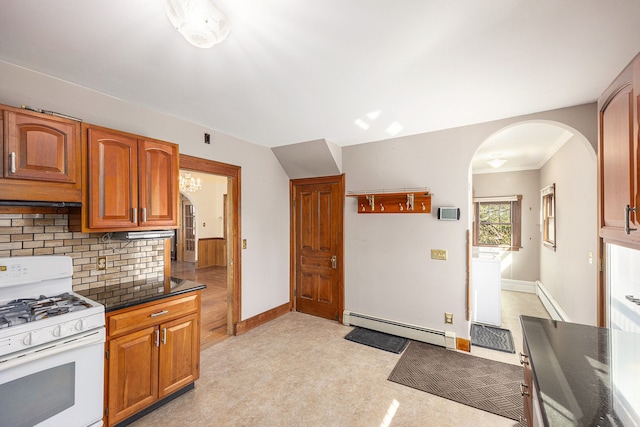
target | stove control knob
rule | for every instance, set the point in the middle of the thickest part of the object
(57, 331)
(30, 339)
(81, 324)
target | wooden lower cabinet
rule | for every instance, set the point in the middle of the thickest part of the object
(133, 374)
(150, 363)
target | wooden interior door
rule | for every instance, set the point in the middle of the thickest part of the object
(188, 231)
(317, 227)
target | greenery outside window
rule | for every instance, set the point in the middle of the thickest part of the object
(497, 222)
(548, 216)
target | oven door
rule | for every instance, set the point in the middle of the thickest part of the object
(60, 384)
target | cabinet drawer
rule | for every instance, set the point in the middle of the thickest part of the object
(129, 320)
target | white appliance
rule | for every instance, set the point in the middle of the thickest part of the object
(51, 346)
(486, 284)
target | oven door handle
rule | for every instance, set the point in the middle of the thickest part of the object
(30, 355)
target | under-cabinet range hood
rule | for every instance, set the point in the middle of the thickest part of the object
(141, 235)
(22, 203)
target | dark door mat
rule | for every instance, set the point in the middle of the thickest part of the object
(492, 337)
(378, 340)
(473, 381)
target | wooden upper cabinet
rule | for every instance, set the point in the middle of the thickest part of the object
(132, 183)
(113, 175)
(43, 148)
(159, 171)
(619, 180)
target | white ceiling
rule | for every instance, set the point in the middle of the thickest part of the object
(525, 146)
(293, 71)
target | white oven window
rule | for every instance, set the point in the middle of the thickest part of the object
(30, 400)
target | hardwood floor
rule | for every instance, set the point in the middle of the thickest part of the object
(213, 318)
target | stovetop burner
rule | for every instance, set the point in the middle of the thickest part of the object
(24, 310)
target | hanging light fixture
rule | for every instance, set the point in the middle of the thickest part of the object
(199, 21)
(188, 184)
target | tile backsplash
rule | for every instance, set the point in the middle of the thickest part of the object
(36, 234)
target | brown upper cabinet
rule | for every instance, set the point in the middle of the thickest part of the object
(619, 179)
(131, 182)
(43, 148)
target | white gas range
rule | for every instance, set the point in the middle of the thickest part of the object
(51, 346)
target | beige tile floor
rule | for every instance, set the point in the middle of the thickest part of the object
(298, 370)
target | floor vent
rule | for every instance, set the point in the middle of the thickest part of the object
(412, 332)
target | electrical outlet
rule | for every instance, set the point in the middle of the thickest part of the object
(448, 318)
(440, 254)
(207, 138)
(101, 263)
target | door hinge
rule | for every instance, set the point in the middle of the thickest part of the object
(106, 411)
(106, 354)
(295, 292)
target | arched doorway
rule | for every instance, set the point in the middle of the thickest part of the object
(533, 155)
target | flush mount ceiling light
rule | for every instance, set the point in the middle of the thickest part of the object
(199, 21)
(497, 162)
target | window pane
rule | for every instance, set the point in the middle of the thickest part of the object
(505, 213)
(483, 212)
(494, 213)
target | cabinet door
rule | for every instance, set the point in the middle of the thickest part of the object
(179, 354)
(133, 373)
(158, 183)
(113, 179)
(616, 158)
(41, 149)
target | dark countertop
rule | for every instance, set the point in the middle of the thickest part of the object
(585, 376)
(115, 297)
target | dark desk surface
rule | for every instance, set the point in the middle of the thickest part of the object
(585, 376)
(115, 297)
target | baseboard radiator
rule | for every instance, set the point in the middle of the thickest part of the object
(405, 330)
(550, 304)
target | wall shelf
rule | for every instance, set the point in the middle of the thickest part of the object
(403, 201)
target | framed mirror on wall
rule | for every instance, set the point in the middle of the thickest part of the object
(548, 216)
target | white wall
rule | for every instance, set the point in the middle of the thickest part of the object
(265, 186)
(388, 270)
(525, 263)
(567, 273)
(209, 204)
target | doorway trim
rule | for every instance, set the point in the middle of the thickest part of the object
(340, 179)
(234, 262)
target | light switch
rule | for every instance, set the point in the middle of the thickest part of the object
(244, 243)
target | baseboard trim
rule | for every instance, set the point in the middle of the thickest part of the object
(518, 286)
(262, 318)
